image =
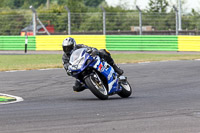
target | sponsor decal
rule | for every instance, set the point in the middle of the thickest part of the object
(100, 66)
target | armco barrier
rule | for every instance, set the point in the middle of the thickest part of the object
(110, 42)
(16, 43)
(54, 42)
(142, 43)
(189, 43)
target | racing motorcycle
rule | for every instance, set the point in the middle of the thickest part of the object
(97, 75)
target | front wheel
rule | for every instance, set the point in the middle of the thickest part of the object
(96, 86)
(126, 89)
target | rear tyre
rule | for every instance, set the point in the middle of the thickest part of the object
(96, 86)
(126, 89)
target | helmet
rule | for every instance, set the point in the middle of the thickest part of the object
(68, 45)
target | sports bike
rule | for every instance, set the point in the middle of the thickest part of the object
(97, 75)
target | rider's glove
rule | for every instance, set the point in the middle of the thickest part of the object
(92, 51)
(69, 72)
(89, 50)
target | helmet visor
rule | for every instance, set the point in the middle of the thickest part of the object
(67, 49)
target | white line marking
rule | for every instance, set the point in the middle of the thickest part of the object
(144, 62)
(11, 71)
(15, 71)
(49, 69)
(18, 99)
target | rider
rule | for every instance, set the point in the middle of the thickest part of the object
(69, 45)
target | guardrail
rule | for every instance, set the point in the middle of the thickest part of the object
(16, 43)
(54, 42)
(110, 42)
(142, 43)
(189, 43)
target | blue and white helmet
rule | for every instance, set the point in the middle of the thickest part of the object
(68, 45)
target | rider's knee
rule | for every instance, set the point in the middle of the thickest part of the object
(105, 52)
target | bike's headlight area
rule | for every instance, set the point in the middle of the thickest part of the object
(77, 64)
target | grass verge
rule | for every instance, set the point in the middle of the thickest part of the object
(30, 62)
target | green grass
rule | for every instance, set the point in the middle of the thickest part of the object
(29, 62)
(135, 58)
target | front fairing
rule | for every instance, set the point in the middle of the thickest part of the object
(79, 60)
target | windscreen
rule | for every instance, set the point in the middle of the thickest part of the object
(77, 54)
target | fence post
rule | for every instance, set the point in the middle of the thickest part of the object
(104, 20)
(69, 20)
(176, 19)
(180, 23)
(34, 20)
(140, 19)
(48, 4)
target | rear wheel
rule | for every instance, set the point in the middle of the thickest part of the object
(126, 89)
(96, 86)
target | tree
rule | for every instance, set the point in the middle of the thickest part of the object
(35, 3)
(61, 2)
(92, 23)
(73, 5)
(93, 3)
(12, 23)
(13, 4)
(158, 6)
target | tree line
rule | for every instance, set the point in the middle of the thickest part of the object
(87, 16)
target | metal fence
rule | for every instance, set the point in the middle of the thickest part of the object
(114, 22)
(99, 23)
(12, 24)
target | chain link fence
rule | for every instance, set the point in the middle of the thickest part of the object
(92, 23)
(12, 24)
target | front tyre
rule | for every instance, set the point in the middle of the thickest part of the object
(96, 86)
(126, 89)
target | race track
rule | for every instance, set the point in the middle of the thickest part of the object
(166, 99)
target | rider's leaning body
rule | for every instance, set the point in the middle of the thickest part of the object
(69, 45)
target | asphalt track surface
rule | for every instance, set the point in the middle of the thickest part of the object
(166, 99)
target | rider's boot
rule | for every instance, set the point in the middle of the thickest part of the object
(78, 87)
(117, 69)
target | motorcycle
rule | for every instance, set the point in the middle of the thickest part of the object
(97, 75)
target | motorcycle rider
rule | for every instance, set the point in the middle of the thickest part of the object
(69, 45)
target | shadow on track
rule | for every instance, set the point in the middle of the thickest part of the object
(96, 99)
